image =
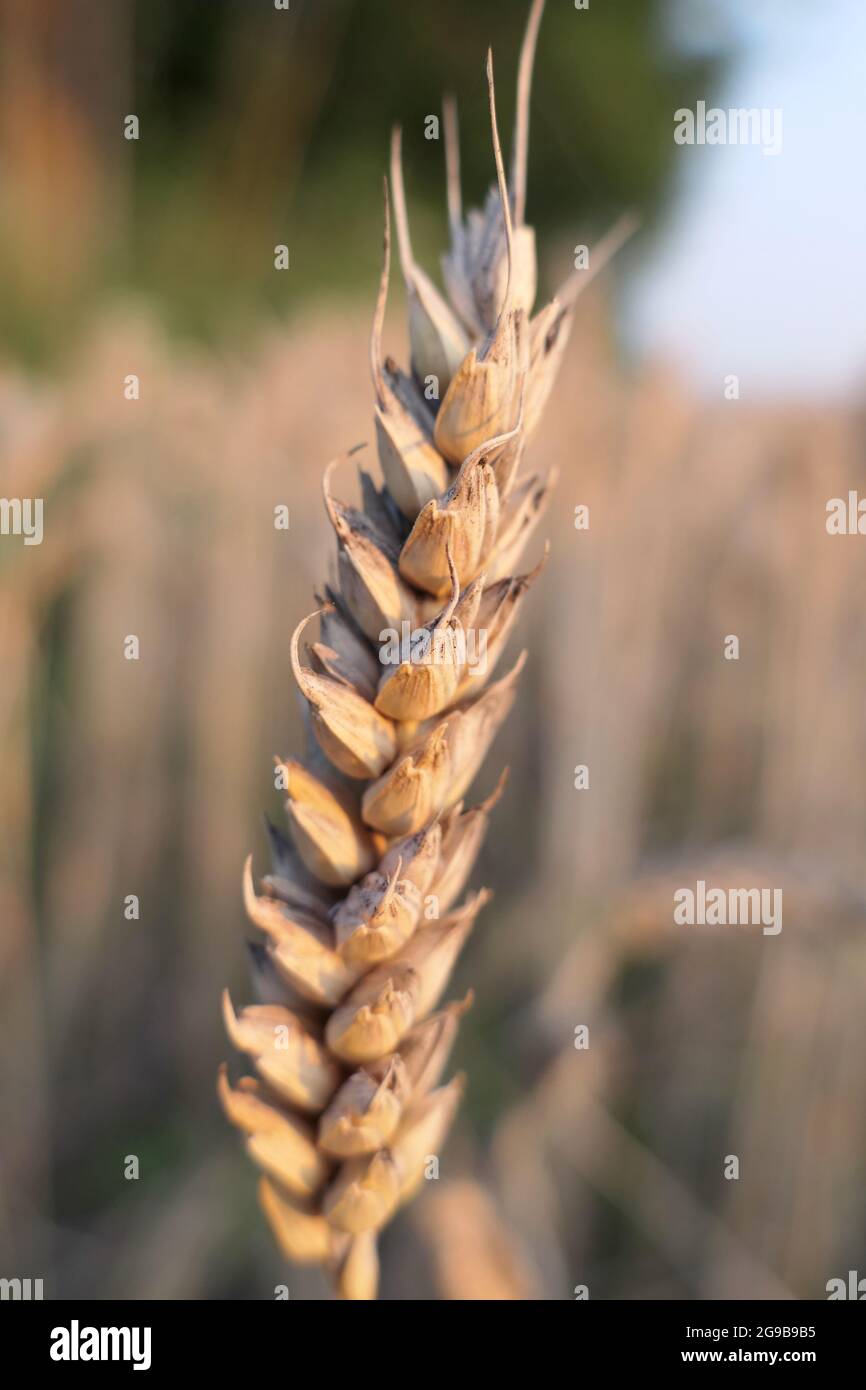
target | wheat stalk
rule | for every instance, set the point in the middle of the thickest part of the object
(358, 915)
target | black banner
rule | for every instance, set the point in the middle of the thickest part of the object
(160, 1339)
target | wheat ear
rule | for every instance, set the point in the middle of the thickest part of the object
(359, 916)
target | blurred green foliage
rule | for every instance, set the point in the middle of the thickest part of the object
(261, 126)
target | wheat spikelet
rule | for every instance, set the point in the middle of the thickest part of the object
(360, 915)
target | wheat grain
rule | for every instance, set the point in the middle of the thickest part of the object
(358, 914)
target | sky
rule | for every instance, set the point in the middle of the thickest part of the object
(759, 269)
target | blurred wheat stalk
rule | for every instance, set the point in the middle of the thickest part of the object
(358, 915)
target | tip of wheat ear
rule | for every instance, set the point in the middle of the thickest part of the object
(359, 916)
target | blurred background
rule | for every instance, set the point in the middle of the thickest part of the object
(155, 257)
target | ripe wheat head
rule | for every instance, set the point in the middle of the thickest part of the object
(359, 917)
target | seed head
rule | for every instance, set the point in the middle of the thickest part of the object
(360, 934)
